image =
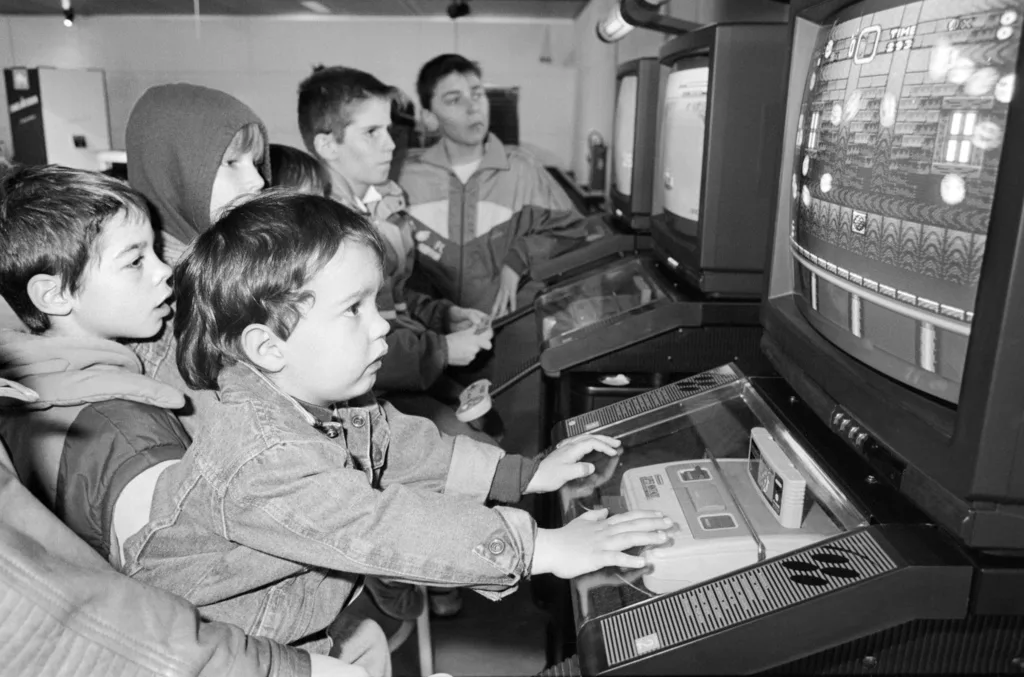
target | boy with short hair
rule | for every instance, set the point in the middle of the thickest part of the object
(344, 116)
(77, 266)
(271, 528)
(490, 208)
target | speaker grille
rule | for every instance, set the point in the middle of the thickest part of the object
(690, 614)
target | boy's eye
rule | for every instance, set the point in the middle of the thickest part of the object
(136, 262)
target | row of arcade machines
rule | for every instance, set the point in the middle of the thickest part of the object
(840, 452)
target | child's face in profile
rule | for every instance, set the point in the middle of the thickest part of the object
(462, 109)
(366, 148)
(237, 175)
(335, 350)
(124, 292)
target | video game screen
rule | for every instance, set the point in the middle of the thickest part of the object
(899, 138)
(617, 289)
(624, 140)
(682, 139)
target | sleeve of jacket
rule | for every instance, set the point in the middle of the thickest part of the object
(296, 502)
(415, 359)
(76, 605)
(540, 234)
(107, 446)
(432, 312)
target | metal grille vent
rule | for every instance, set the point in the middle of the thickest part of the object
(696, 612)
(649, 401)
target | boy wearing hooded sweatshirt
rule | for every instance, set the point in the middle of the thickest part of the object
(78, 267)
(191, 152)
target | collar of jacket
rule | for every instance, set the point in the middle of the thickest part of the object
(71, 370)
(494, 157)
(331, 428)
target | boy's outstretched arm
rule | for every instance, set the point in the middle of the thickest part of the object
(593, 541)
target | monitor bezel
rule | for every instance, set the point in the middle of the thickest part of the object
(740, 135)
(957, 462)
(645, 132)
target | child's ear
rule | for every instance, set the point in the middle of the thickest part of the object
(47, 294)
(430, 121)
(325, 145)
(263, 348)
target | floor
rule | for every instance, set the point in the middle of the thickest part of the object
(495, 639)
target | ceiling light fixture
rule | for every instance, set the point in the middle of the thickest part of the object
(314, 6)
(626, 14)
(69, 13)
(458, 8)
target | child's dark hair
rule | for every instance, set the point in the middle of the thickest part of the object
(326, 98)
(250, 268)
(297, 169)
(439, 68)
(50, 220)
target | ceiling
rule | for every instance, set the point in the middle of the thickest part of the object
(479, 8)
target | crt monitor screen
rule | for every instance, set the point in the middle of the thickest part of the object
(623, 141)
(898, 145)
(682, 139)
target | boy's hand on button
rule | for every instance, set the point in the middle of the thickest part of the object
(594, 541)
(460, 318)
(464, 345)
(563, 464)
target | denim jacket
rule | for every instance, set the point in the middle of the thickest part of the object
(271, 516)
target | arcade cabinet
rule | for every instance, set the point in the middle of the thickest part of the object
(863, 511)
(634, 141)
(693, 301)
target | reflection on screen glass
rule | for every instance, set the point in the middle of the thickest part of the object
(899, 139)
(615, 290)
(682, 140)
(625, 125)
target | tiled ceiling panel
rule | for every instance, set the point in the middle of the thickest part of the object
(547, 9)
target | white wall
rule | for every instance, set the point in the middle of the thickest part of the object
(261, 60)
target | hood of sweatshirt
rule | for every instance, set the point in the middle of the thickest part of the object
(68, 371)
(175, 140)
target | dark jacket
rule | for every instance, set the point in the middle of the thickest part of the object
(97, 425)
(417, 348)
(175, 140)
(65, 613)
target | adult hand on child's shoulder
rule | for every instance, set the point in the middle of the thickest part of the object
(460, 318)
(508, 286)
(594, 541)
(563, 463)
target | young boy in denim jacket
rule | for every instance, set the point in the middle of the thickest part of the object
(296, 484)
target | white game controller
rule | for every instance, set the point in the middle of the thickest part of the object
(474, 401)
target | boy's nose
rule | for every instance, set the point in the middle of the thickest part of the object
(389, 142)
(163, 272)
